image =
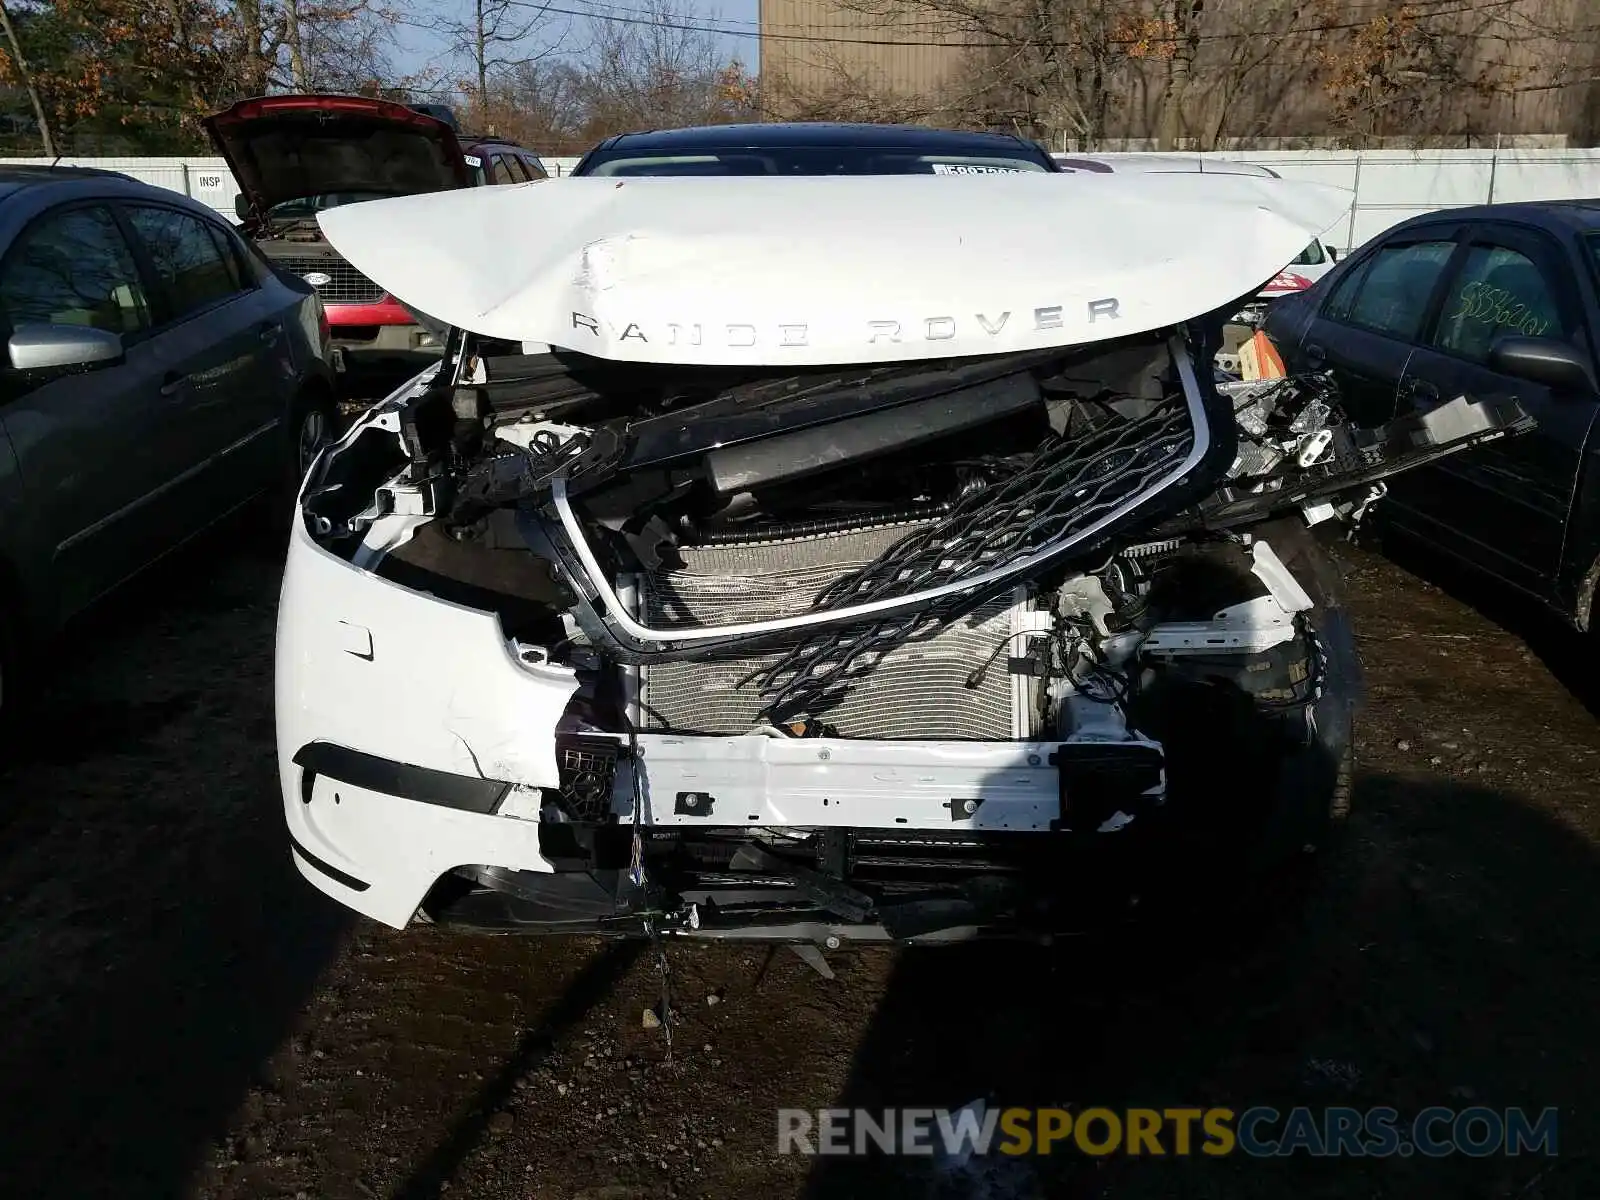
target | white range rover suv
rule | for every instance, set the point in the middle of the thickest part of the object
(845, 538)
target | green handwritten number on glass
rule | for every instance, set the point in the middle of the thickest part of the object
(1497, 306)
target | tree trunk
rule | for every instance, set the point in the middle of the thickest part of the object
(298, 74)
(25, 77)
(482, 50)
(253, 75)
(1099, 106)
(1186, 32)
(1171, 125)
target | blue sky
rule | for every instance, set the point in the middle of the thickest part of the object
(738, 17)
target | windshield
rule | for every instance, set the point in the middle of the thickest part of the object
(810, 160)
(310, 206)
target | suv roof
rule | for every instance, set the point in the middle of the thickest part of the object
(469, 140)
(811, 133)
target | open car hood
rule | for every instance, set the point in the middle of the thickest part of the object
(283, 148)
(833, 270)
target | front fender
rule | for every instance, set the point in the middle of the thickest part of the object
(1580, 558)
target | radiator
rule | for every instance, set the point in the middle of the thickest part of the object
(917, 690)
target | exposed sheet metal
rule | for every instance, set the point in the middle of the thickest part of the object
(832, 270)
(819, 783)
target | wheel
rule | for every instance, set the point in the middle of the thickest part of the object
(1317, 784)
(311, 426)
(1252, 772)
(312, 430)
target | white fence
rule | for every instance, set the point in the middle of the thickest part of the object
(1388, 185)
(1391, 185)
(206, 179)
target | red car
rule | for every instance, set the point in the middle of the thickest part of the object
(294, 156)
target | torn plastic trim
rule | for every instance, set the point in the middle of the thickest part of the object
(426, 785)
(621, 625)
(1279, 580)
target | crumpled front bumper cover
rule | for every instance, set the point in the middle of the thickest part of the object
(387, 698)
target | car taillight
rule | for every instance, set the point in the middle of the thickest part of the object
(1287, 281)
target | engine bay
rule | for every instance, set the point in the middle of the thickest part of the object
(797, 595)
(973, 548)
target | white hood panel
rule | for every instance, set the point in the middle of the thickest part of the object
(832, 270)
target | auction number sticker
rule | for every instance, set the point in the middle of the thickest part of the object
(973, 169)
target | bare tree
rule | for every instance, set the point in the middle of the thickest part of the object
(847, 94)
(493, 38)
(341, 45)
(1178, 24)
(1205, 73)
(24, 76)
(542, 104)
(660, 71)
(1429, 71)
(1048, 68)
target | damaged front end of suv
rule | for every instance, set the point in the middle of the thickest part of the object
(818, 609)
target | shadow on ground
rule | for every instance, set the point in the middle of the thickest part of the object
(158, 944)
(1446, 956)
(595, 980)
(1571, 658)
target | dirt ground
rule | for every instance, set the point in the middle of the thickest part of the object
(184, 1016)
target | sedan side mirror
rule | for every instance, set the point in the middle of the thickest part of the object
(1333, 255)
(241, 206)
(1556, 364)
(34, 347)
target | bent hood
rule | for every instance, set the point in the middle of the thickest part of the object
(832, 270)
(283, 148)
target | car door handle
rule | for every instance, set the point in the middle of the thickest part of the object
(172, 383)
(268, 333)
(1315, 355)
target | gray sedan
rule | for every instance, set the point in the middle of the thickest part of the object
(159, 374)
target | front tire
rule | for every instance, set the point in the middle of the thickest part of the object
(1259, 771)
(311, 426)
(1317, 784)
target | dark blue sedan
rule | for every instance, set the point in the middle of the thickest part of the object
(1491, 302)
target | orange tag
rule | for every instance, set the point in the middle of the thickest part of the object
(1269, 363)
